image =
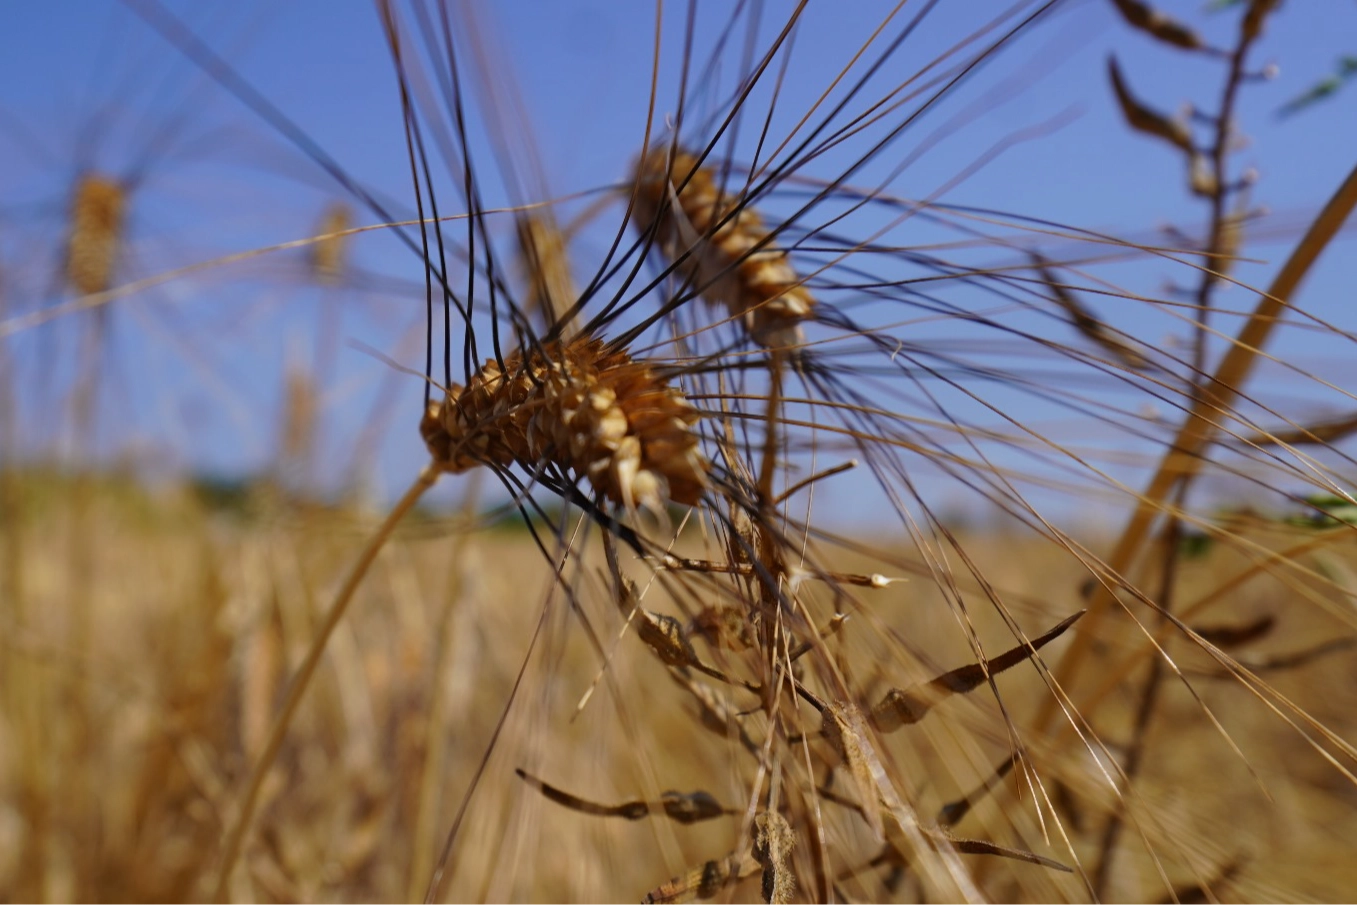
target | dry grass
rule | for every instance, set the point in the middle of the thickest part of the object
(200, 615)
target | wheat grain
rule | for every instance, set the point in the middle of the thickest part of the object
(584, 408)
(721, 246)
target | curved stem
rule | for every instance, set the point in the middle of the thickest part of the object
(236, 837)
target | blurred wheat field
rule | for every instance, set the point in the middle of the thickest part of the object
(830, 475)
(201, 610)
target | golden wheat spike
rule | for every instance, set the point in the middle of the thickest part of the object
(546, 264)
(92, 247)
(731, 259)
(329, 253)
(586, 409)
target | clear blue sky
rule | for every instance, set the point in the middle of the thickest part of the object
(201, 359)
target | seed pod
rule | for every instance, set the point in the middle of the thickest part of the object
(1252, 25)
(731, 259)
(96, 233)
(589, 411)
(1142, 118)
(1158, 25)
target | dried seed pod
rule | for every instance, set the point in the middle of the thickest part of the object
(663, 634)
(904, 707)
(1087, 323)
(588, 410)
(1142, 118)
(92, 248)
(1201, 179)
(731, 259)
(1157, 24)
(714, 712)
(1252, 24)
(681, 807)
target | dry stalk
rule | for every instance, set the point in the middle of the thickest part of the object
(1183, 457)
(441, 710)
(24, 687)
(235, 836)
(1208, 178)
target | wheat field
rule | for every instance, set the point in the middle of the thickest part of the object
(679, 452)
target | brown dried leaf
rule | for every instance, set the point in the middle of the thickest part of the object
(1142, 118)
(683, 807)
(1158, 25)
(902, 707)
(1227, 636)
(985, 847)
(1087, 323)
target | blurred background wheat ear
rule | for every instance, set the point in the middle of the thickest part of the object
(678, 452)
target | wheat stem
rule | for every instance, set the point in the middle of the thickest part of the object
(1182, 457)
(236, 836)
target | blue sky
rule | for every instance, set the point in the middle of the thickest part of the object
(201, 359)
